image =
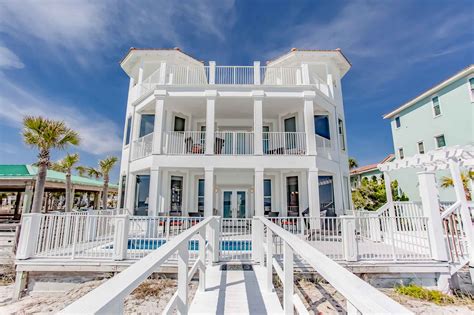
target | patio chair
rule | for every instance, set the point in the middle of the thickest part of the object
(218, 145)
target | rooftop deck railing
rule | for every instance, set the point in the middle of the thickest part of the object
(361, 297)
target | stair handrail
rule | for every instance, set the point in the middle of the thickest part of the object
(450, 210)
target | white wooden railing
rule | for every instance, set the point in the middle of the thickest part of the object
(284, 143)
(361, 297)
(235, 239)
(185, 142)
(235, 75)
(109, 297)
(454, 233)
(186, 75)
(281, 75)
(234, 143)
(142, 147)
(323, 145)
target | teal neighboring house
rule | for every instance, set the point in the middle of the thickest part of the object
(370, 171)
(441, 116)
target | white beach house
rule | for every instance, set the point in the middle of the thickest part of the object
(234, 141)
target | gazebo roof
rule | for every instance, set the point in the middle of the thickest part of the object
(434, 160)
(26, 171)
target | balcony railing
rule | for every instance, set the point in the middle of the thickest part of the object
(142, 147)
(323, 145)
(185, 142)
(234, 143)
(284, 143)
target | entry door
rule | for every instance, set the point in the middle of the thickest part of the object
(290, 129)
(234, 203)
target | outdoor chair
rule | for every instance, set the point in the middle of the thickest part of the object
(218, 145)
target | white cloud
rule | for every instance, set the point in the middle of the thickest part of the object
(8, 59)
(99, 135)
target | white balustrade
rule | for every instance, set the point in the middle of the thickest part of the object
(238, 75)
(455, 236)
(284, 143)
(186, 75)
(142, 147)
(235, 239)
(323, 145)
(281, 75)
(360, 296)
(185, 142)
(109, 297)
(234, 143)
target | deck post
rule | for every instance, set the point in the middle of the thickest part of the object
(309, 122)
(122, 223)
(21, 281)
(212, 234)
(349, 241)
(288, 281)
(212, 72)
(256, 73)
(388, 193)
(30, 227)
(430, 202)
(183, 257)
(269, 260)
(210, 121)
(257, 240)
(202, 259)
(258, 121)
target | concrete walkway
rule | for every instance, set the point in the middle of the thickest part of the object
(235, 292)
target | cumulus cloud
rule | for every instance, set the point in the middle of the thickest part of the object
(99, 135)
(9, 60)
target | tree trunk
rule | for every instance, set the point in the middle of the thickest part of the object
(105, 191)
(68, 207)
(40, 182)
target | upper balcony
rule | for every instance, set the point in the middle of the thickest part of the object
(256, 75)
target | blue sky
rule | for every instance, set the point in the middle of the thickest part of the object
(60, 59)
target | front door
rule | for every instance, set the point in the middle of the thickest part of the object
(234, 203)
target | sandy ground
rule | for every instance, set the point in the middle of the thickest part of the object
(52, 303)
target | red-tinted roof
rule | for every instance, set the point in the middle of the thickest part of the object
(175, 48)
(371, 167)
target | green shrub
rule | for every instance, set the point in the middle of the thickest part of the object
(421, 293)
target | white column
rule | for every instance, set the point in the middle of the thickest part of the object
(465, 215)
(430, 202)
(140, 79)
(210, 120)
(283, 199)
(158, 125)
(309, 124)
(208, 192)
(259, 211)
(162, 80)
(256, 72)
(130, 196)
(258, 122)
(305, 73)
(212, 72)
(338, 195)
(313, 192)
(135, 127)
(30, 227)
(349, 242)
(154, 195)
(388, 193)
(28, 196)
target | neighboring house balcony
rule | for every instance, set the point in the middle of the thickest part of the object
(166, 74)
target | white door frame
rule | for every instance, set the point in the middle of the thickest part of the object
(233, 209)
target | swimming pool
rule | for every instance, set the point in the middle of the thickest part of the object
(151, 244)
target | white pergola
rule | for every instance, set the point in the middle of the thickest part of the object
(452, 158)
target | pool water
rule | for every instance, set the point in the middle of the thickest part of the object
(151, 244)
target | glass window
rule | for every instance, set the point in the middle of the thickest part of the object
(436, 107)
(127, 133)
(201, 195)
(290, 124)
(176, 200)
(179, 123)
(397, 122)
(267, 195)
(341, 133)
(142, 189)
(400, 153)
(122, 191)
(292, 195)
(471, 86)
(147, 124)
(440, 141)
(421, 147)
(321, 126)
(326, 195)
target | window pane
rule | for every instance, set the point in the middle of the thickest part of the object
(421, 148)
(400, 153)
(179, 124)
(176, 201)
(397, 122)
(437, 110)
(471, 83)
(201, 195)
(127, 133)
(142, 189)
(147, 123)
(321, 126)
(440, 141)
(267, 195)
(292, 194)
(326, 194)
(290, 124)
(341, 134)
(122, 194)
(435, 101)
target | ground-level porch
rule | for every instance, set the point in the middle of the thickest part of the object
(235, 193)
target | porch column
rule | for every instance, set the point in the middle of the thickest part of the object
(430, 203)
(154, 195)
(135, 127)
(465, 215)
(388, 192)
(313, 192)
(210, 120)
(309, 122)
(140, 79)
(208, 191)
(258, 121)
(158, 123)
(130, 196)
(27, 199)
(259, 210)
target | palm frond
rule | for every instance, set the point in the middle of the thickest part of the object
(107, 164)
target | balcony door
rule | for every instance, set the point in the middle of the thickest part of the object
(234, 203)
(290, 136)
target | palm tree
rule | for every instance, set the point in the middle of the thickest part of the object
(353, 163)
(45, 135)
(66, 165)
(105, 166)
(447, 181)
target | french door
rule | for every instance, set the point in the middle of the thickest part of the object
(234, 203)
